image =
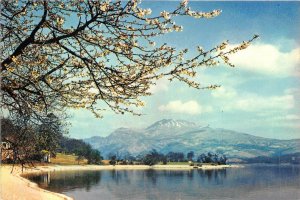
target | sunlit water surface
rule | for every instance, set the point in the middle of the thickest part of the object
(250, 183)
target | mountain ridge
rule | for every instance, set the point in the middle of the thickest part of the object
(183, 136)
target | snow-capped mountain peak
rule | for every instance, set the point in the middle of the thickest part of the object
(171, 123)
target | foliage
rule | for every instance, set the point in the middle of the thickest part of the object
(153, 158)
(49, 133)
(190, 155)
(75, 54)
(94, 157)
(212, 158)
(30, 141)
(21, 136)
(171, 158)
(113, 160)
(80, 148)
(175, 156)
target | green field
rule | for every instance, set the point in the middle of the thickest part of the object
(65, 159)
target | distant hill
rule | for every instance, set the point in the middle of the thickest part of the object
(183, 136)
(276, 159)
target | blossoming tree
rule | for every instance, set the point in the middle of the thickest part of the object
(76, 54)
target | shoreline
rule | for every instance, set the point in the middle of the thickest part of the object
(49, 168)
(15, 186)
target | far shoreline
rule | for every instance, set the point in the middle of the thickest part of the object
(9, 182)
(52, 168)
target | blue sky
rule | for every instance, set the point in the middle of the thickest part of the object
(261, 96)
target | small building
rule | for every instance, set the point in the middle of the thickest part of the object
(46, 156)
(6, 151)
(5, 145)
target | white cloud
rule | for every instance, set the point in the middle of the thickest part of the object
(296, 93)
(190, 107)
(255, 103)
(259, 103)
(268, 59)
(292, 117)
(224, 92)
(292, 91)
(160, 85)
(229, 99)
(284, 118)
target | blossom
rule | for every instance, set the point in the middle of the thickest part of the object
(152, 43)
(244, 45)
(59, 21)
(148, 11)
(184, 3)
(110, 30)
(223, 45)
(35, 74)
(104, 7)
(14, 59)
(165, 14)
(177, 28)
(200, 49)
(10, 69)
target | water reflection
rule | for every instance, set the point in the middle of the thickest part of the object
(247, 183)
(69, 180)
(213, 175)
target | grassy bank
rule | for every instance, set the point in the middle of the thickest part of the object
(67, 159)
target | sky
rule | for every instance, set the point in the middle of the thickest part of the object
(260, 96)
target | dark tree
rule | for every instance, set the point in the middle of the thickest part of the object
(190, 155)
(94, 156)
(49, 134)
(175, 156)
(80, 148)
(223, 160)
(152, 158)
(201, 158)
(113, 159)
(29, 141)
(212, 158)
(79, 158)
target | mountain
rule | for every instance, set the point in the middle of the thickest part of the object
(182, 136)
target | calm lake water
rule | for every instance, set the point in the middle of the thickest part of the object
(249, 183)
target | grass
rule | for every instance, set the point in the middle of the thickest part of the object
(67, 159)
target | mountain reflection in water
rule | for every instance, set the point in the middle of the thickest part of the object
(254, 182)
